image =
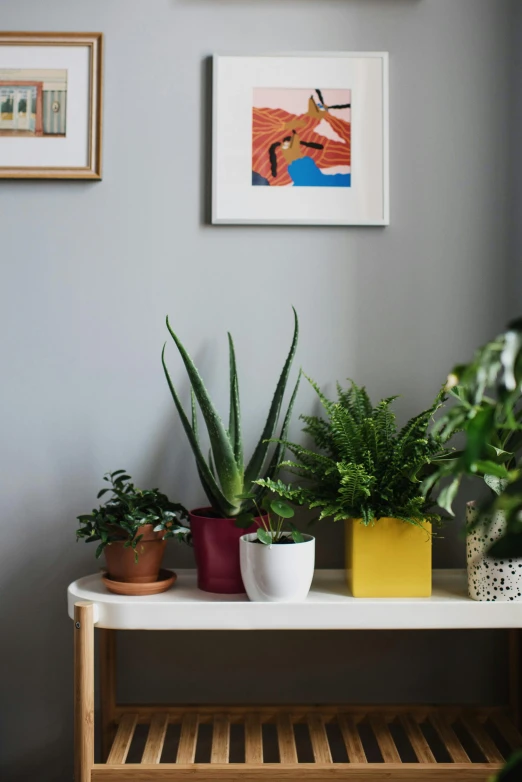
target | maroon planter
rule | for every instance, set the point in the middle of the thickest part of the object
(216, 548)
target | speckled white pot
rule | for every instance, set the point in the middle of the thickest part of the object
(497, 580)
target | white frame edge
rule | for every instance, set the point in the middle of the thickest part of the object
(384, 56)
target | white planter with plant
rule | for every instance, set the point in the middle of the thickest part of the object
(277, 566)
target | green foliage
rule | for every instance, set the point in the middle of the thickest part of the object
(363, 467)
(512, 771)
(487, 409)
(127, 511)
(227, 482)
(276, 513)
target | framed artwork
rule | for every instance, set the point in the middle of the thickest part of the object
(301, 139)
(50, 105)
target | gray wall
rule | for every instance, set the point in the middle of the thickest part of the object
(515, 299)
(90, 270)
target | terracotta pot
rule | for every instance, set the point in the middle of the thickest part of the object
(216, 548)
(120, 560)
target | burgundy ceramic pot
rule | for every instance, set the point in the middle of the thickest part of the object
(216, 548)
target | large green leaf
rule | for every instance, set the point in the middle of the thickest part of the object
(229, 476)
(219, 501)
(234, 425)
(448, 494)
(478, 432)
(255, 465)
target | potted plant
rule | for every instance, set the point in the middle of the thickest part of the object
(225, 477)
(368, 474)
(132, 529)
(487, 408)
(277, 566)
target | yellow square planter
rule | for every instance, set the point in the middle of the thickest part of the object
(391, 558)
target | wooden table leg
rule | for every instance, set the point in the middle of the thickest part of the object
(83, 691)
(515, 683)
(107, 656)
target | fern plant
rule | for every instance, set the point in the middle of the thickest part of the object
(226, 480)
(363, 466)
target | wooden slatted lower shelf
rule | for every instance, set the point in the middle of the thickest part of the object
(308, 743)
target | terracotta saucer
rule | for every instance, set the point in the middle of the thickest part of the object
(166, 579)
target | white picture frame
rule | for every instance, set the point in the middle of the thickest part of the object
(237, 83)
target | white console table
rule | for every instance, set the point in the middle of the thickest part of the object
(437, 737)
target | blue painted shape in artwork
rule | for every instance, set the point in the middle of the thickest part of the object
(305, 173)
(257, 179)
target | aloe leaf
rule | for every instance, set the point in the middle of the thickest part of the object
(225, 463)
(211, 462)
(255, 465)
(278, 455)
(194, 412)
(234, 426)
(219, 501)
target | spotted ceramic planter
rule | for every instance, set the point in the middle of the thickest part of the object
(497, 580)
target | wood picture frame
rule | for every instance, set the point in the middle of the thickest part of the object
(47, 133)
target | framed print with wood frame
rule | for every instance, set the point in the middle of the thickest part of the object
(50, 105)
(301, 139)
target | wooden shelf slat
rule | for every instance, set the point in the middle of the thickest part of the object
(483, 741)
(389, 751)
(123, 740)
(507, 730)
(352, 739)
(220, 739)
(253, 739)
(286, 739)
(188, 739)
(155, 739)
(304, 772)
(450, 739)
(474, 721)
(319, 739)
(417, 740)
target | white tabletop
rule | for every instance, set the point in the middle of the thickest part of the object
(329, 606)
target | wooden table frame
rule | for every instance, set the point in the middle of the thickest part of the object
(118, 723)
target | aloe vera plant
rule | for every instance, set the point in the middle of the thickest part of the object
(227, 481)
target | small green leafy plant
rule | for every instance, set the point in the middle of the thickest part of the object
(126, 513)
(276, 513)
(487, 409)
(226, 480)
(363, 467)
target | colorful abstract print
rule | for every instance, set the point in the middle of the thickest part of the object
(301, 138)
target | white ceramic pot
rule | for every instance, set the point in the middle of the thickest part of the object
(498, 580)
(281, 573)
